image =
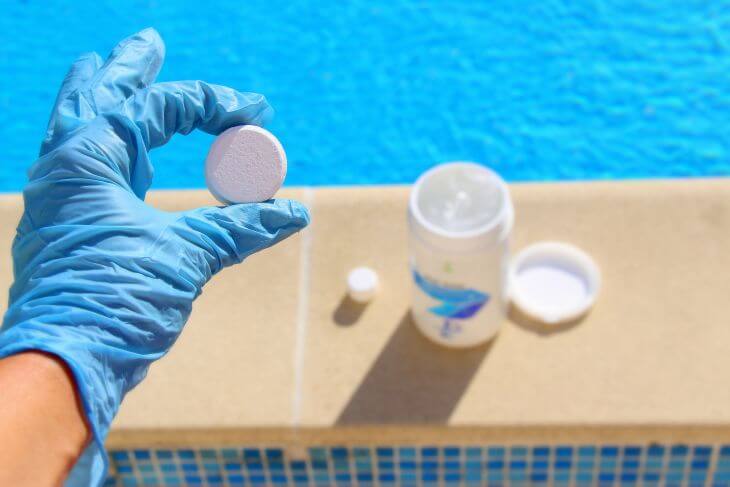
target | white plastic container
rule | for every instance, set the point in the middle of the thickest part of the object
(460, 218)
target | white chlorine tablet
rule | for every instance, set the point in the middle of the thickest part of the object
(362, 284)
(245, 164)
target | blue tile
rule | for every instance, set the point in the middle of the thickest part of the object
(679, 450)
(451, 451)
(364, 477)
(386, 465)
(451, 465)
(142, 454)
(584, 478)
(164, 454)
(429, 476)
(540, 465)
(407, 465)
(274, 453)
(229, 453)
(538, 477)
(298, 465)
(495, 451)
(361, 452)
(563, 451)
(606, 477)
(517, 465)
(609, 451)
(429, 465)
(150, 481)
(214, 479)
(186, 454)
(251, 453)
(700, 464)
(473, 452)
(319, 464)
(452, 477)
(124, 468)
(120, 456)
(518, 451)
(587, 451)
(632, 451)
(193, 480)
(384, 452)
(146, 468)
(255, 467)
(429, 452)
(300, 479)
(172, 481)
(208, 454)
(189, 467)
(232, 467)
(257, 479)
(725, 450)
(279, 479)
(339, 452)
(235, 479)
(168, 467)
(655, 450)
(406, 452)
(129, 482)
(495, 465)
(562, 464)
(702, 450)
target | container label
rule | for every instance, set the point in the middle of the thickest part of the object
(456, 303)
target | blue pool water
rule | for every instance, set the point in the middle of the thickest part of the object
(376, 91)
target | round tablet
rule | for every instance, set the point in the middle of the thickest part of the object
(245, 164)
(553, 282)
(362, 284)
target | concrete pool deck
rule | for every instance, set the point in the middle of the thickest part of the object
(274, 352)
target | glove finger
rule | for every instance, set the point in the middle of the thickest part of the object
(132, 65)
(179, 107)
(80, 72)
(232, 233)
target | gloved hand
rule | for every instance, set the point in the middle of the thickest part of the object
(102, 280)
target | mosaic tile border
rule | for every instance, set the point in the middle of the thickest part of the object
(676, 465)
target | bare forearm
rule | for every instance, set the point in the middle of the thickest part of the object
(42, 425)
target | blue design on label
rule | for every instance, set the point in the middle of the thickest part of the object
(456, 302)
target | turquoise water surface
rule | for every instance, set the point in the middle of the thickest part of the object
(376, 91)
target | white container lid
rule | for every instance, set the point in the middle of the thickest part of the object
(245, 164)
(362, 284)
(460, 207)
(553, 282)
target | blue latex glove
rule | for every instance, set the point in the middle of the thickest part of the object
(102, 280)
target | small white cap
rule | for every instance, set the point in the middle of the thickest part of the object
(362, 284)
(553, 282)
(245, 164)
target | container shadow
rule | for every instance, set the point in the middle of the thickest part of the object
(413, 381)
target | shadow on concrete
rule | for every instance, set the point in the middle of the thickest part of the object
(348, 312)
(413, 381)
(525, 322)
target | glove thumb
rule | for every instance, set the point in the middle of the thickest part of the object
(230, 234)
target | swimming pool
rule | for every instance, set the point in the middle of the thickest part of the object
(378, 91)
